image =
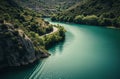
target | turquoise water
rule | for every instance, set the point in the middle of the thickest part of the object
(88, 52)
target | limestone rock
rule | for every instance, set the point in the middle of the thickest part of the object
(16, 48)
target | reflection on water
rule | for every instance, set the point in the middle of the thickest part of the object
(63, 44)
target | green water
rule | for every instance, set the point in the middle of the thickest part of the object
(88, 52)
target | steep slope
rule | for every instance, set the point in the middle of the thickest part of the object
(96, 7)
(107, 11)
(47, 7)
(20, 35)
(16, 48)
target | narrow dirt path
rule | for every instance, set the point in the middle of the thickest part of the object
(55, 29)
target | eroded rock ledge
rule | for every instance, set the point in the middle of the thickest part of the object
(16, 48)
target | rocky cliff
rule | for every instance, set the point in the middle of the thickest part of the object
(16, 48)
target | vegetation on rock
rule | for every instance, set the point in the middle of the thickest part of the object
(92, 12)
(21, 31)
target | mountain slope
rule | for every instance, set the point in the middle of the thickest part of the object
(21, 31)
(107, 11)
(16, 46)
(96, 7)
(47, 7)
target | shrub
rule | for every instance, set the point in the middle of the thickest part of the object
(49, 29)
(91, 19)
(78, 19)
(105, 21)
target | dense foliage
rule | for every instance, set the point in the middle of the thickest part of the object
(46, 41)
(47, 7)
(27, 20)
(93, 12)
(54, 38)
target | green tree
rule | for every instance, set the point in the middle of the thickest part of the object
(91, 19)
(78, 19)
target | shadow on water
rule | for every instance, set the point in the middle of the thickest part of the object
(22, 72)
(57, 45)
(61, 45)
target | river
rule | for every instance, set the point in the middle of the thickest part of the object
(88, 52)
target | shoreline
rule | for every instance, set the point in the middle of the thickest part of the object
(38, 57)
(112, 27)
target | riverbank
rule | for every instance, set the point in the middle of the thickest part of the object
(88, 20)
(34, 52)
(54, 37)
(112, 27)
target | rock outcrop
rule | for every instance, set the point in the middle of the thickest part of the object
(16, 48)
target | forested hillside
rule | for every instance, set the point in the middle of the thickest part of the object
(47, 7)
(21, 30)
(94, 12)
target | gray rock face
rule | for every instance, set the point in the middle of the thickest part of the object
(16, 48)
